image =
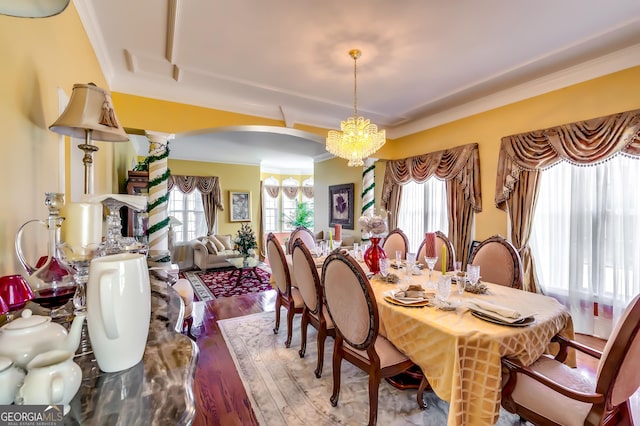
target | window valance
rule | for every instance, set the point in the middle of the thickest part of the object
(205, 184)
(583, 143)
(461, 163)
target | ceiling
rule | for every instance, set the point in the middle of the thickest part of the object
(424, 62)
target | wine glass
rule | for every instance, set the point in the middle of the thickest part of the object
(473, 274)
(431, 262)
(398, 258)
(460, 285)
(411, 262)
(384, 267)
(79, 258)
(443, 289)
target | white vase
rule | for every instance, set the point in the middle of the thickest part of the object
(118, 310)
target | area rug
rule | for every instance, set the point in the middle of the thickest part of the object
(284, 391)
(213, 284)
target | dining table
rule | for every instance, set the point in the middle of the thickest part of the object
(459, 353)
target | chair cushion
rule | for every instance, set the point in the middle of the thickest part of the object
(226, 241)
(554, 406)
(388, 353)
(298, 302)
(327, 317)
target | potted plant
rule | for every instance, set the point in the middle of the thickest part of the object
(301, 216)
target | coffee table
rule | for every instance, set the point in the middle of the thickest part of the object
(239, 264)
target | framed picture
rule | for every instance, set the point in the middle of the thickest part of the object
(240, 206)
(341, 204)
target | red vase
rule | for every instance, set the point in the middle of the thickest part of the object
(373, 254)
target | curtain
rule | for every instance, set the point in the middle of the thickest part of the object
(522, 156)
(209, 187)
(460, 167)
(423, 209)
(592, 219)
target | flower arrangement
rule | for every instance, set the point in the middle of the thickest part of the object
(375, 224)
(246, 240)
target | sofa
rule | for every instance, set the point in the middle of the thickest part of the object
(212, 251)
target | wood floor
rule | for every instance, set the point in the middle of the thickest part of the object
(218, 390)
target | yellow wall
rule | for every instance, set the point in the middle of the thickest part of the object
(603, 96)
(38, 57)
(335, 172)
(233, 178)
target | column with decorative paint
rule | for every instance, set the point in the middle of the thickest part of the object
(368, 191)
(158, 230)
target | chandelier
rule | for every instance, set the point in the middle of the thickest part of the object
(358, 138)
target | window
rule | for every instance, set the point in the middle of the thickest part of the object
(423, 208)
(188, 209)
(586, 239)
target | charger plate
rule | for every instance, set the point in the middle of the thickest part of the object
(525, 322)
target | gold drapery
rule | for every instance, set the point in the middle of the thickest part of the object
(209, 187)
(524, 155)
(460, 167)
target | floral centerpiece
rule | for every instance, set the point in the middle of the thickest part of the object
(246, 240)
(375, 224)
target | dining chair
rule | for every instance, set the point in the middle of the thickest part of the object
(441, 240)
(549, 392)
(288, 296)
(396, 240)
(352, 308)
(314, 311)
(307, 236)
(499, 262)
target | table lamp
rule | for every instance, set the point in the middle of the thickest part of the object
(89, 115)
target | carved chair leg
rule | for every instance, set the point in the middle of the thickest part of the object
(423, 386)
(291, 311)
(337, 362)
(278, 305)
(374, 384)
(303, 333)
(322, 336)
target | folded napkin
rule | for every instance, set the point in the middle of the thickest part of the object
(492, 308)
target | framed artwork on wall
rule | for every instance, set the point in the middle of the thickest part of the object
(341, 205)
(239, 206)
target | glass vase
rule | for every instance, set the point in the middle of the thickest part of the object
(373, 254)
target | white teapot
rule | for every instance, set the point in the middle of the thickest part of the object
(25, 337)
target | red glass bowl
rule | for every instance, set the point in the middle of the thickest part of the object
(15, 291)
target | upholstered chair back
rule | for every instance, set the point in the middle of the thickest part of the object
(350, 300)
(499, 262)
(306, 275)
(396, 240)
(278, 264)
(618, 372)
(303, 233)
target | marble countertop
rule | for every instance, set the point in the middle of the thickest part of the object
(158, 390)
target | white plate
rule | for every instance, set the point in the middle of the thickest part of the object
(522, 322)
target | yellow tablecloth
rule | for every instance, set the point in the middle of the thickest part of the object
(460, 354)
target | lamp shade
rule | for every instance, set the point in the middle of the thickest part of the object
(32, 8)
(90, 108)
